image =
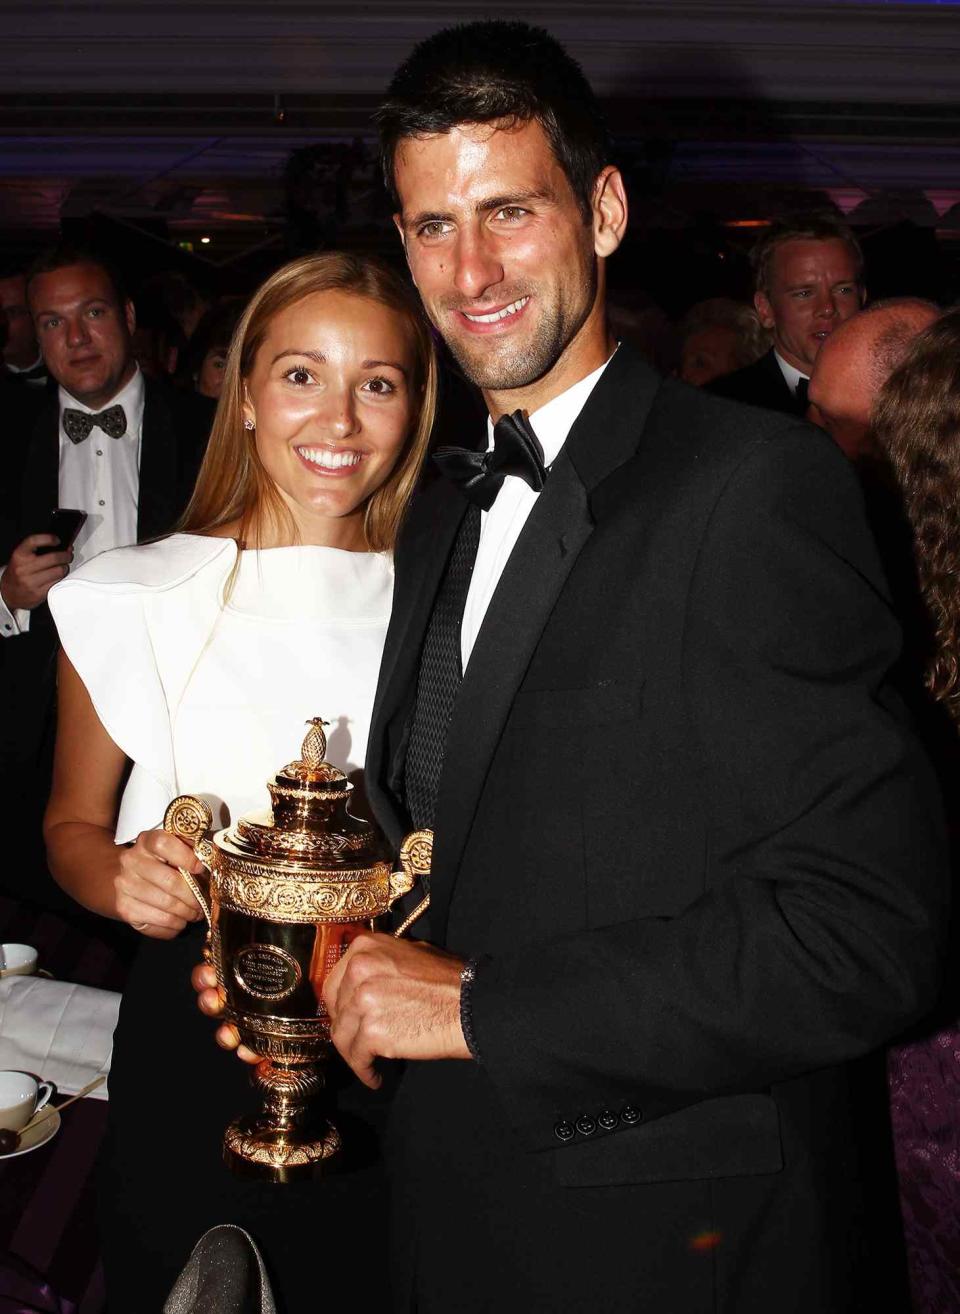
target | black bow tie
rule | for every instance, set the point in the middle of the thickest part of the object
(77, 424)
(800, 399)
(516, 451)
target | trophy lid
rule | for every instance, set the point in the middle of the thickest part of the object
(309, 828)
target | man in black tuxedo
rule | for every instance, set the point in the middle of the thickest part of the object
(808, 274)
(688, 859)
(108, 442)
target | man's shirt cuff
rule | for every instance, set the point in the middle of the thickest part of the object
(12, 623)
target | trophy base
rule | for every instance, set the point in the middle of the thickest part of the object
(252, 1149)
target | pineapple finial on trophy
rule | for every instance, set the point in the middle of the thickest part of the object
(314, 750)
(311, 767)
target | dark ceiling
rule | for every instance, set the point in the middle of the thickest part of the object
(170, 122)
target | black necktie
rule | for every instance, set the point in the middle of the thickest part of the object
(516, 451)
(800, 396)
(78, 424)
(439, 677)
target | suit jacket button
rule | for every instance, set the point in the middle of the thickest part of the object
(586, 1125)
(564, 1131)
(608, 1119)
(630, 1115)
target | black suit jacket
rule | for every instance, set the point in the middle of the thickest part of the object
(173, 439)
(175, 430)
(19, 408)
(759, 384)
(684, 823)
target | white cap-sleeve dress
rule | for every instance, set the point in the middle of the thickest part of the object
(211, 698)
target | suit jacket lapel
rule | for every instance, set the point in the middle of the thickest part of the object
(780, 393)
(41, 471)
(158, 467)
(604, 436)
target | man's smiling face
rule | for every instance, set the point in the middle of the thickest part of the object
(500, 251)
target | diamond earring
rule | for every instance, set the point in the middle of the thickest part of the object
(249, 424)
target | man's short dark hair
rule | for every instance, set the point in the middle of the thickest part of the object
(66, 254)
(494, 72)
(814, 226)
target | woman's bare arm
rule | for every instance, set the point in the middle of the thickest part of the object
(138, 884)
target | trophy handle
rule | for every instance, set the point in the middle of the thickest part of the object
(416, 858)
(189, 819)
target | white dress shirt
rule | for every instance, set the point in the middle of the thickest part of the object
(101, 476)
(791, 375)
(500, 526)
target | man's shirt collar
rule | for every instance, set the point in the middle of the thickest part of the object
(130, 397)
(791, 375)
(554, 420)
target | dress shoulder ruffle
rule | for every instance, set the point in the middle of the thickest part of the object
(160, 565)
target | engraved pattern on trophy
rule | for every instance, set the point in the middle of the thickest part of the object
(346, 896)
(416, 852)
(189, 819)
(308, 844)
(290, 888)
(416, 858)
(286, 1156)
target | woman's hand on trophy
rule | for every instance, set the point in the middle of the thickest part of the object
(210, 1000)
(151, 895)
(396, 999)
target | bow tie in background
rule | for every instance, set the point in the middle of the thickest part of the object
(77, 424)
(800, 399)
(516, 451)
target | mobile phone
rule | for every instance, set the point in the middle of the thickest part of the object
(65, 525)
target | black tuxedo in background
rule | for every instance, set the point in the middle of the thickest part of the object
(685, 823)
(173, 439)
(20, 406)
(759, 384)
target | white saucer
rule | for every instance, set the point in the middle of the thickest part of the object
(31, 1138)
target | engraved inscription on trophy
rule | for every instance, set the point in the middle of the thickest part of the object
(266, 972)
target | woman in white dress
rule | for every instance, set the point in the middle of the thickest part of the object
(190, 665)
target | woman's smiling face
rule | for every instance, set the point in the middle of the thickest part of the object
(331, 396)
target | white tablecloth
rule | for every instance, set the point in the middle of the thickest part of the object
(60, 1032)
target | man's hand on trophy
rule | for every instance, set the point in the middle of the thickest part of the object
(210, 1000)
(396, 999)
(151, 895)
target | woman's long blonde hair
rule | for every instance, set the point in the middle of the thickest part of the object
(232, 484)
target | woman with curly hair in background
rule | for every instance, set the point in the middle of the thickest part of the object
(917, 425)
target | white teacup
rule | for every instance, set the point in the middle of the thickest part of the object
(20, 1097)
(17, 960)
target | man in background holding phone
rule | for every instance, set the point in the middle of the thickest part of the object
(104, 440)
(123, 451)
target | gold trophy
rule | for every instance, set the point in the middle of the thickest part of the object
(289, 889)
